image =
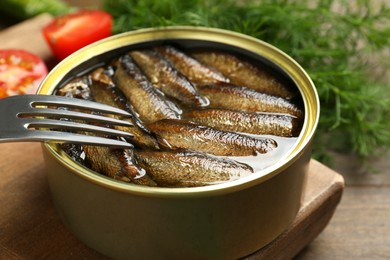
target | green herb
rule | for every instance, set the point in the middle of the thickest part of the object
(335, 41)
(24, 9)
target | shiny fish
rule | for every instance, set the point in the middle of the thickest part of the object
(102, 90)
(241, 98)
(194, 70)
(165, 77)
(177, 134)
(117, 164)
(77, 88)
(243, 73)
(149, 103)
(253, 123)
(189, 169)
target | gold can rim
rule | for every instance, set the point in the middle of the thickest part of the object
(234, 39)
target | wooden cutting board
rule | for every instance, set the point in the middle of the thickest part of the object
(31, 229)
(28, 36)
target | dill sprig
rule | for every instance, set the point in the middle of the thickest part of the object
(340, 44)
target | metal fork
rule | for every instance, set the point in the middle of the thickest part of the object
(44, 118)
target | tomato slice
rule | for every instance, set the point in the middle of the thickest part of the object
(21, 72)
(68, 33)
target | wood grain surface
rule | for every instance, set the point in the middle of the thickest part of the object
(31, 229)
(360, 227)
(28, 36)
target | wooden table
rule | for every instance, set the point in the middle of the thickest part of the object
(360, 228)
(31, 229)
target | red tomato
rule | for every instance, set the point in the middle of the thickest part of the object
(21, 72)
(68, 33)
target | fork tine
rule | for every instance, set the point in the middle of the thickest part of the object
(74, 115)
(37, 100)
(18, 120)
(61, 137)
(69, 125)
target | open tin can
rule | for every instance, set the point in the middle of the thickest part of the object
(222, 221)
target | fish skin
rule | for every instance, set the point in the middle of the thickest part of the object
(102, 91)
(247, 122)
(117, 164)
(189, 169)
(176, 134)
(194, 70)
(148, 102)
(165, 77)
(243, 73)
(245, 99)
(76, 88)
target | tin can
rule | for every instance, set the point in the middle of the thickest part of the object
(222, 221)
